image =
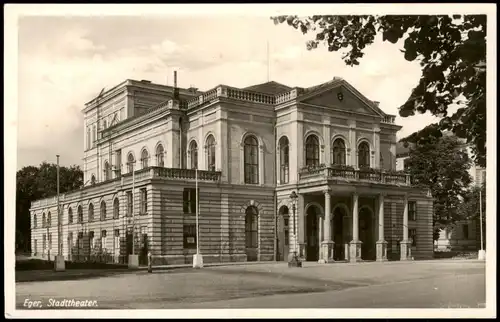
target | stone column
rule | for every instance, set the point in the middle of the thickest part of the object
(327, 244)
(355, 247)
(381, 243)
(405, 243)
(301, 226)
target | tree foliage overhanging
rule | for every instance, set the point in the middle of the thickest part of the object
(34, 183)
(452, 54)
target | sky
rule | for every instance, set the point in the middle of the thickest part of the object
(64, 62)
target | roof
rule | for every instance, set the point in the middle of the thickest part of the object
(269, 88)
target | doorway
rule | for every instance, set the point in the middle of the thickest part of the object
(312, 234)
(340, 233)
(283, 242)
(366, 234)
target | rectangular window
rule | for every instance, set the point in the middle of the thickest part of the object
(129, 203)
(117, 241)
(412, 234)
(103, 240)
(44, 241)
(91, 240)
(189, 235)
(36, 246)
(144, 201)
(50, 240)
(189, 200)
(34, 221)
(465, 229)
(412, 210)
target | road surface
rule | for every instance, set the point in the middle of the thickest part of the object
(426, 284)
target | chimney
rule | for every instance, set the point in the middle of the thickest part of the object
(377, 103)
(176, 90)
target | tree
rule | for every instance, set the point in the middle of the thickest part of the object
(443, 166)
(451, 51)
(34, 183)
(469, 208)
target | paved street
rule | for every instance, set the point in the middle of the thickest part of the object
(426, 284)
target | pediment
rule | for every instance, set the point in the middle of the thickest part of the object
(350, 101)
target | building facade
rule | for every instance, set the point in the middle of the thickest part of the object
(252, 148)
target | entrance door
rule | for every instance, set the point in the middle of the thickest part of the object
(283, 234)
(312, 235)
(338, 236)
(366, 235)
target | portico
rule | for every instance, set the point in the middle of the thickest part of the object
(349, 224)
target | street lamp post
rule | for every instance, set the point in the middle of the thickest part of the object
(59, 262)
(294, 260)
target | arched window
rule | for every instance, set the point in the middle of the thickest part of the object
(338, 152)
(80, 214)
(284, 160)
(251, 227)
(312, 150)
(49, 219)
(211, 153)
(159, 155)
(35, 221)
(44, 220)
(251, 160)
(92, 179)
(91, 213)
(88, 138)
(144, 158)
(103, 210)
(130, 162)
(70, 215)
(363, 155)
(107, 171)
(193, 154)
(116, 208)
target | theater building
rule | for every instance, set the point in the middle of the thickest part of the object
(252, 147)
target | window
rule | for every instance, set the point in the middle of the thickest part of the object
(189, 200)
(44, 241)
(412, 234)
(49, 219)
(91, 213)
(130, 203)
(412, 210)
(363, 155)
(130, 162)
(465, 230)
(70, 242)
(338, 152)
(251, 227)
(44, 220)
(70, 215)
(190, 236)
(116, 208)
(193, 154)
(92, 180)
(312, 151)
(91, 240)
(103, 210)
(103, 240)
(88, 138)
(284, 160)
(35, 223)
(94, 135)
(80, 214)
(118, 162)
(144, 158)
(211, 153)
(50, 240)
(251, 160)
(144, 201)
(107, 171)
(159, 155)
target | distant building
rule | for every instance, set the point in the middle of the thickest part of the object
(466, 234)
(252, 147)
